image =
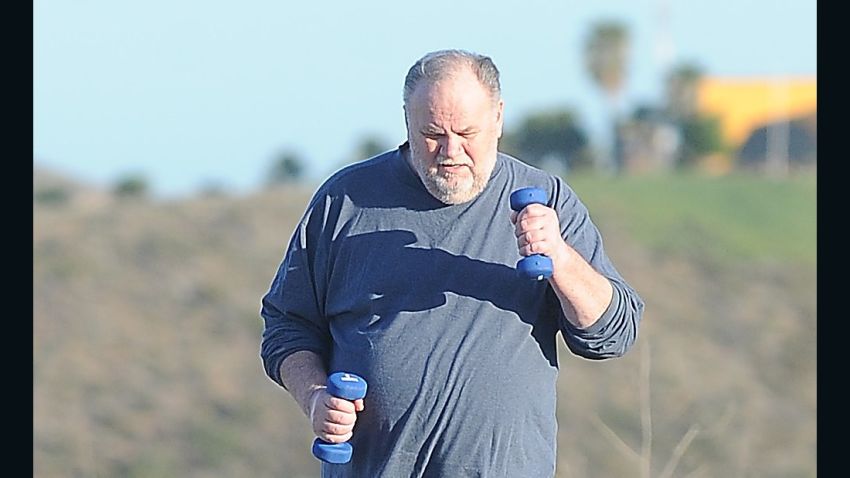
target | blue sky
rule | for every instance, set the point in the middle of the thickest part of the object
(190, 92)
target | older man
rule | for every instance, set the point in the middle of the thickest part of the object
(402, 271)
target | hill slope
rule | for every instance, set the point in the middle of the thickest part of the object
(146, 338)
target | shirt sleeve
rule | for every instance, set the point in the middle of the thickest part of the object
(292, 307)
(616, 330)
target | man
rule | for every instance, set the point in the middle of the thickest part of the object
(402, 270)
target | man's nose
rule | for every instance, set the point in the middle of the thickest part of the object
(452, 146)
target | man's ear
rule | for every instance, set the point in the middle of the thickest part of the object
(406, 121)
(500, 118)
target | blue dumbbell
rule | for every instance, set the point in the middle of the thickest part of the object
(347, 386)
(536, 266)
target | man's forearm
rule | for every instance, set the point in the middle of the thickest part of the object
(302, 373)
(583, 292)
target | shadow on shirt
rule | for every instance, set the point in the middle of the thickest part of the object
(377, 276)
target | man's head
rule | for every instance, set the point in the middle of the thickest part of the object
(453, 110)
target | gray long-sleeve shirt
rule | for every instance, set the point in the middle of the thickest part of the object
(422, 300)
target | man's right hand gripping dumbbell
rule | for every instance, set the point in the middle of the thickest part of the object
(333, 412)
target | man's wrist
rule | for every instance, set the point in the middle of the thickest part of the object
(563, 260)
(312, 399)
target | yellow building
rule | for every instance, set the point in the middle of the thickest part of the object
(744, 104)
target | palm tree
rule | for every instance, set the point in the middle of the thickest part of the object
(681, 90)
(700, 134)
(606, 51)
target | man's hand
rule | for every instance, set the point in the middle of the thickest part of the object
(333, 418)
(538, 231)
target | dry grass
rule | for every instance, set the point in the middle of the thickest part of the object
(146, 354)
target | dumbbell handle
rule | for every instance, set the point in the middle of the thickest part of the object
(347, 386)
(535, 266)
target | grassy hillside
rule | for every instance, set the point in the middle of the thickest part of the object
(146, 336)
(726, 219)
(727, 357)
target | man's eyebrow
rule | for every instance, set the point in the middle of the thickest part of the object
(432, 129)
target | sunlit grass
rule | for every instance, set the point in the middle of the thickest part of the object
(738, 217)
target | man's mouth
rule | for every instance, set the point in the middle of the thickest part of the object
(452, 167)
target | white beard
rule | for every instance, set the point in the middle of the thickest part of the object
(449, 188)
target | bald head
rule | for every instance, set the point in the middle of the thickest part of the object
(443, 64)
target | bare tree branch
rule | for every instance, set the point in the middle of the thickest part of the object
(614, 438)
(679, 451)
(645, 412)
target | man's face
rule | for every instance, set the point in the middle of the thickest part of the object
(453, 127)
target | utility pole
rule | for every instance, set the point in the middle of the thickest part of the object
(664, 48)
(778, 134)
